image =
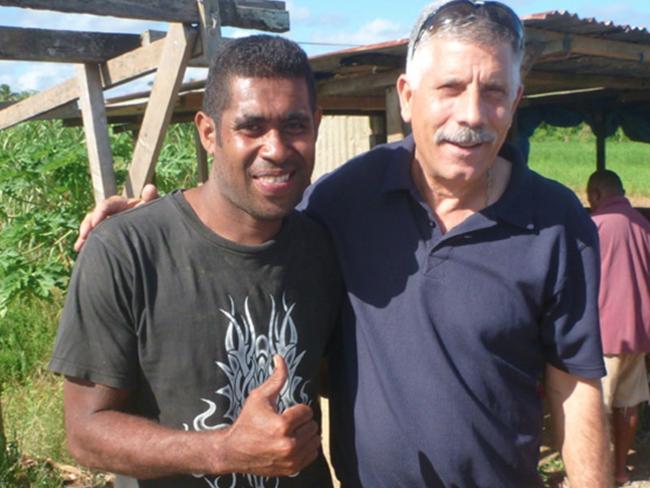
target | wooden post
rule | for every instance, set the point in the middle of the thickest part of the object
(395, 127)
(174, 58)
(377, 130)
(600, 140)
(210, 27)
(93, 111)
(201, 158)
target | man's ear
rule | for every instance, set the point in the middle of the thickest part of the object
(207, 130)
(405, 92)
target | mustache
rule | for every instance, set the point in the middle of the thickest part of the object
(465, 135)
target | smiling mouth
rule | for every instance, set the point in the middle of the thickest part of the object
(274, 179)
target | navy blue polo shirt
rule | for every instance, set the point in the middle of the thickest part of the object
(444, 337)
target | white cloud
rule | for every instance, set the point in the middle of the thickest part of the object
(297, 13)
(44, 75)
(377, 30)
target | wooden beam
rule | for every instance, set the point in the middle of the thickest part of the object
(377, 130)
(62, 46)
(558, 43)
(210, 28)
(100, 157)
(357, 84)
(264, 15)
(114, 72)
(556, 81)
(352, 104)
(532, 54)
(395, 129)
(160, 108)
(599, 130)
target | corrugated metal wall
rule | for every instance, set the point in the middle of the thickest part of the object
(340, 138)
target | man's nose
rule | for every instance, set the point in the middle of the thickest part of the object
(469, 109)
(274, 146)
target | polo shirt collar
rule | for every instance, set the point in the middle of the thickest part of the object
(514, 206)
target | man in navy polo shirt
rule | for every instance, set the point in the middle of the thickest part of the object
(470, 280)
(469, 277)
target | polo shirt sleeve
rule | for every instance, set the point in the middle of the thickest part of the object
(96, 340)
(569, 327)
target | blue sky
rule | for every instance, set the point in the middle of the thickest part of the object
(321, 25)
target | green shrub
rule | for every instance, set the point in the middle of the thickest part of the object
(45, 190)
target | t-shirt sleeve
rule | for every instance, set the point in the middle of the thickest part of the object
(570, 326)
(97, 340)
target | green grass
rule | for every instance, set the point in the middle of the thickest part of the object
(26, 337)
(33, 413)
(17, 472)
(573, 161)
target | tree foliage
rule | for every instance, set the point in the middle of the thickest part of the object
(45, 190)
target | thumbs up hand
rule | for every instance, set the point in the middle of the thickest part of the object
(266, 443)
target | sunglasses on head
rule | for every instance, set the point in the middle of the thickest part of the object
(496, 12)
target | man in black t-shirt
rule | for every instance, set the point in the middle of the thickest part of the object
(178, 311)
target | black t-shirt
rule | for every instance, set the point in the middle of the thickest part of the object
(160, 304)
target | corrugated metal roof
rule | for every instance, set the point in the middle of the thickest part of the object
(567, 22)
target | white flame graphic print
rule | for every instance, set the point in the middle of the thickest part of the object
(249, 363)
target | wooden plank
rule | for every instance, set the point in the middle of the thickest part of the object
(100, 157)
(533, 53)
(39, 103)
(558, 43)
(357, 84)
(61, 46)
(352, 104)
(114, 72)
(553, 81)
(210, 28)
(247, 14)
(395, 129)
(160, 108)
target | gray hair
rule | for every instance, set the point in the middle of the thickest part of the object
(479, 29)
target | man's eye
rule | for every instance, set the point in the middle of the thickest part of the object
(449, 89)
(495, 92)
(295, 126)
(251, 128)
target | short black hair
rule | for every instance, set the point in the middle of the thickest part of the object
(605, 179)
(258, 56)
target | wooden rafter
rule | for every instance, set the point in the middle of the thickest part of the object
(175, 55)
(553, 81)
(561, 44)
(114, 72)
(352, 85)
(63, 46)
(266, 15)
